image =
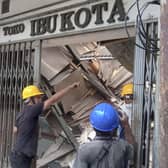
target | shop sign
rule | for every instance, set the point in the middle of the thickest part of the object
(84, 18)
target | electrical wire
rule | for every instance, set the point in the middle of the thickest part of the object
(142, 32)
(126, 18)
(148, 44)
(126, 27)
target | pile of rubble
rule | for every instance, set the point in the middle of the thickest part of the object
(66, 125)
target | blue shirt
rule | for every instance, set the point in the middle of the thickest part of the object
(27, 125)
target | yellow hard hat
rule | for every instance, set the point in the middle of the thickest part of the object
(127, 89)
(30, 91)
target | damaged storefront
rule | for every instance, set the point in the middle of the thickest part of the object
(55, 46)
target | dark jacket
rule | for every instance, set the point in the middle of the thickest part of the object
(27, 124)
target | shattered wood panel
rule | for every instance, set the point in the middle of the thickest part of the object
(53, 61)
(43, 145)
(97, 84)
(44, 125)
(120, 76)
(58, 114)
(55, 152)
(86, 105)
(46, 129)
(107, 68)
(84, 48)
(81, 100)
(54, 124)
(113, 73)
(78, 122)
(123, 50)
(75, 94)
(53, 147)
(61, 76)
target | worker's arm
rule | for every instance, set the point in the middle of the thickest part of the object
(15, 130)
(127, 129)
(16, 125)
(54, 98)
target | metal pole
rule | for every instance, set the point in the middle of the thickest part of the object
(37, 62)
(156, 115)
(37, 73)
(163, 119)
(136, 123)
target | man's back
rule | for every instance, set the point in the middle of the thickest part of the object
(118, 154)
(27, 124)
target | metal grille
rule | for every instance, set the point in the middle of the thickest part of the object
(145, 94)
(5, 6)
(16, 71)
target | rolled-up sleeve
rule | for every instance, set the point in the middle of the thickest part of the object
(35, 110)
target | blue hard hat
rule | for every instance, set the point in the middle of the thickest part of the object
(104, 117)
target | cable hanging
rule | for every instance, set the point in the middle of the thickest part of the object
(149, 44)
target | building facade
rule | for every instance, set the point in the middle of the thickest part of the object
(28, 29)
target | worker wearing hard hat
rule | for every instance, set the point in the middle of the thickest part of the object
(127, 96)
(106, 150)
(26, 125)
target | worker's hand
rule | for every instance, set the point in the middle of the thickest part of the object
(15, 130)
(75, 84)
(123, 119)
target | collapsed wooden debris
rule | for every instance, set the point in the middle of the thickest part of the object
(100, 80)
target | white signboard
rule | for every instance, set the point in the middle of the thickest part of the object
(88, 17)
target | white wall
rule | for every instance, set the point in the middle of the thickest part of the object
(19, 6)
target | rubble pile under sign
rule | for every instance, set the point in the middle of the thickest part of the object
(66, 124)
